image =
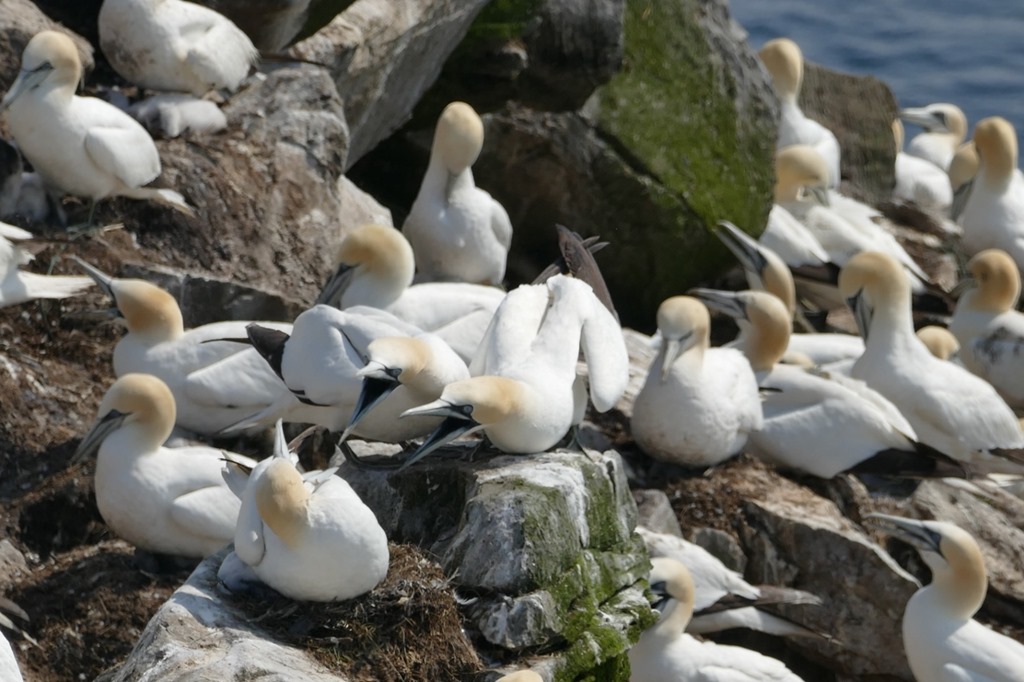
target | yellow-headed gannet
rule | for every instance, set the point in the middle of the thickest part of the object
(865, 432)
(993, 212)
(664, 652)
(174, 45)
(526, 403)
(919, 180)
(698, 403)
(942, 641)
(737, 600)
(375, 268)
(215, 383)
(785, 64)
(940, 342)
(457, 230)
(80, 145)
(945, 127)
(18, 286)
(950, 409)
(171, 501)
(308, 536)
(990, 331)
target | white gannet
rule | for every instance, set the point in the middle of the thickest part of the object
(765, 271)
(170, 115)
(942, 641)
(664, 652)
(80, 145)
(166, 500)
(521, 676)
(993, 213)
(458, 231)
(174, 45)
(308, 536)
(215, 382)
(990, 331)
(919, 180)
(785, 64)
(950, 409)
(375, 268)
(9, 670)
(865, 432)
(18, 286)
(791, 241)
(715, 583)
(526, 403)
(945, 127)
(698, 403)
(940, 342)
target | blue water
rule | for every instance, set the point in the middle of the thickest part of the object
(968, 52)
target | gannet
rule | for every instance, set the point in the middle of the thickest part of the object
(791, 241)
(865, 433)
(215, 383)
(18, 286)
(171, 501)
(375, 268)
(728, 599)
(993, 212)
(664, 652)
(950, 409)
(308, 536)
(940, 342)
(457, 230)
(80, 145)
(785, 64)
(526, 404)
(173, 45)
(945, 127)
(521, 676)
(919, 180)
(9, 671)
(698, 403)
(942, 641)
(990, 331)
(765, 271)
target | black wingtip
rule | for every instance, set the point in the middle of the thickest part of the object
(922, 462)
(269, 343)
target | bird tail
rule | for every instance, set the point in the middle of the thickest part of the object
(923, 461)
(167, 197)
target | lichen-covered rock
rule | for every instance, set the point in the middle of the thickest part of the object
(19, 21)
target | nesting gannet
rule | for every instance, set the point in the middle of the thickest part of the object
(727, 600)
(785, 64)
(945, 127)
(18, 286)
(950, 409)
(990, 331)
(80, 145)
(174, 45)
(457, 230)
(919, 180)
(215, 383)
(525, 403)
(698, 403)
(308, 536)
(942, 641)
(375, 268)
(9, 670)
(993, 213)
(940, 342)
(665, 652)
(172, 501)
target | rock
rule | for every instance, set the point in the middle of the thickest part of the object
(722, 546)
(19, 21)
(544, 543)
(12, 565)
(383, 55)
(272, 25)
(654, 512)
(860, 111)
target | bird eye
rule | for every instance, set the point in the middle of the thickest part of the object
(466, 409)
(941, 116)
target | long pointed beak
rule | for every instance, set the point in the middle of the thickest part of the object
(378, 384)
(746, 250)
(911, 531)
(437, 408)
(726, 302)
(103, 427)
(673, 349)
(336, 285)
(820, 195)
(861, 313)
(26, 81)
(102, 279)
(447, 431)
(235, 475)
(923, 118)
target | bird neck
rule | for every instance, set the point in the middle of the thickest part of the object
(673, 621)
(956, 595)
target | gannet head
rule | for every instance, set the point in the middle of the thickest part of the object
(873, 280)
(996, 142)
(372, 253)
(51, 58)
(785, 64)
(938, 118)
(759, 263)
(140, 399)
(939, 341)
(467, 406)
(684, 323)
(281, 500)
(964, 165)
(393, 361)
(146, 308)
(459, 137)
(993, 284)
(956, 562)
(800, 168)
(762, 314)
(669, 580)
